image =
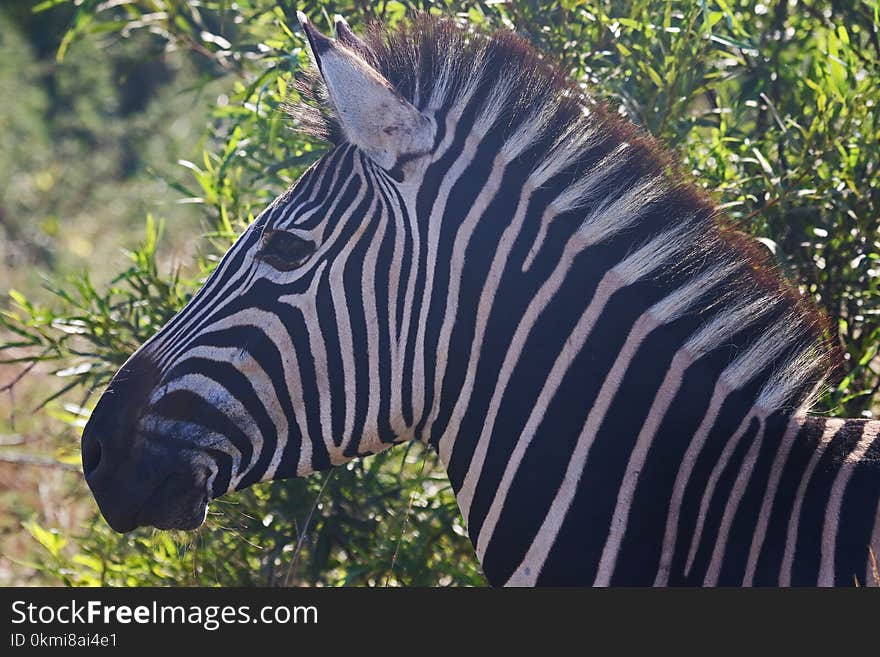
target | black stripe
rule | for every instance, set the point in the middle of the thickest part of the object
(259, 346)
(462, 196)
(807, 556)
(241, 388)
(717, 503)
(328, 321)
(733, 411)
(425, 201)
(187, 406)
(382, 292)
(639, 558)
(745, 520)
(769, 564)
(296, 324)
(585, 529)
(858, 514)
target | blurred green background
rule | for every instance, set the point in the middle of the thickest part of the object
(139, 137)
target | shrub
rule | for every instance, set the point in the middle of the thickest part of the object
(773, 107)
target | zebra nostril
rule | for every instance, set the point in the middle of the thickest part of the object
(109, 433)
(91, 456)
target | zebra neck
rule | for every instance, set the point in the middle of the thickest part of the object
(604, 413)
(780, 501)
(810, 512)
(736, 497)
(580, 319)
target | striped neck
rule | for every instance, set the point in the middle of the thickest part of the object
(780, 501)
(591, 342)
(733, 498)
(819, 509)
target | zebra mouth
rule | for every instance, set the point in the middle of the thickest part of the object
(185, 514)
(179, 500)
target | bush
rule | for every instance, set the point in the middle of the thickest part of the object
(773, 107)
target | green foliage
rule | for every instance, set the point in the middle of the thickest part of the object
(773, 108)
(86, 144)
(387, 520)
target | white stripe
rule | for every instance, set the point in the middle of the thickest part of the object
(434, 222)
(831, 429)
(713, 572)
(870, 431)
(571, 347)
(670, 536)
(788, 440)
(484, 308)
(461, 241)
(399, 231)
(586, 188)
(191, 316)
(705, 339)
(306, 304)
(665, 310)
(263, 389)
(340, 310)
(216, 395)
(714, 476)
(766, 348)
(639, 263)
(872, 566)
(626, 494)
(373, 357)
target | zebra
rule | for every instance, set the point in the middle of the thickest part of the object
(493, 263)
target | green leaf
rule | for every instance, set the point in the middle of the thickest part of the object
(49, 539)
(765, 165)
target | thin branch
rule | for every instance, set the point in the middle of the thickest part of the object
(302, 535)
(10, 389)
(875, 572)
(39, 461)
(18, 377)
(785, 193)
(403, 525)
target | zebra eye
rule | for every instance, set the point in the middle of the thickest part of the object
(283, 250)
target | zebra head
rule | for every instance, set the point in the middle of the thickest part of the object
(290, 359)
(495, 264)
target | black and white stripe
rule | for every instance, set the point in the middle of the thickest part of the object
(616, 382)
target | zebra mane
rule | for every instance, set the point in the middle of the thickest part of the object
(441, 66)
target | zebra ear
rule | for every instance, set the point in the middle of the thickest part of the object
(346, 37)
(373, 115)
